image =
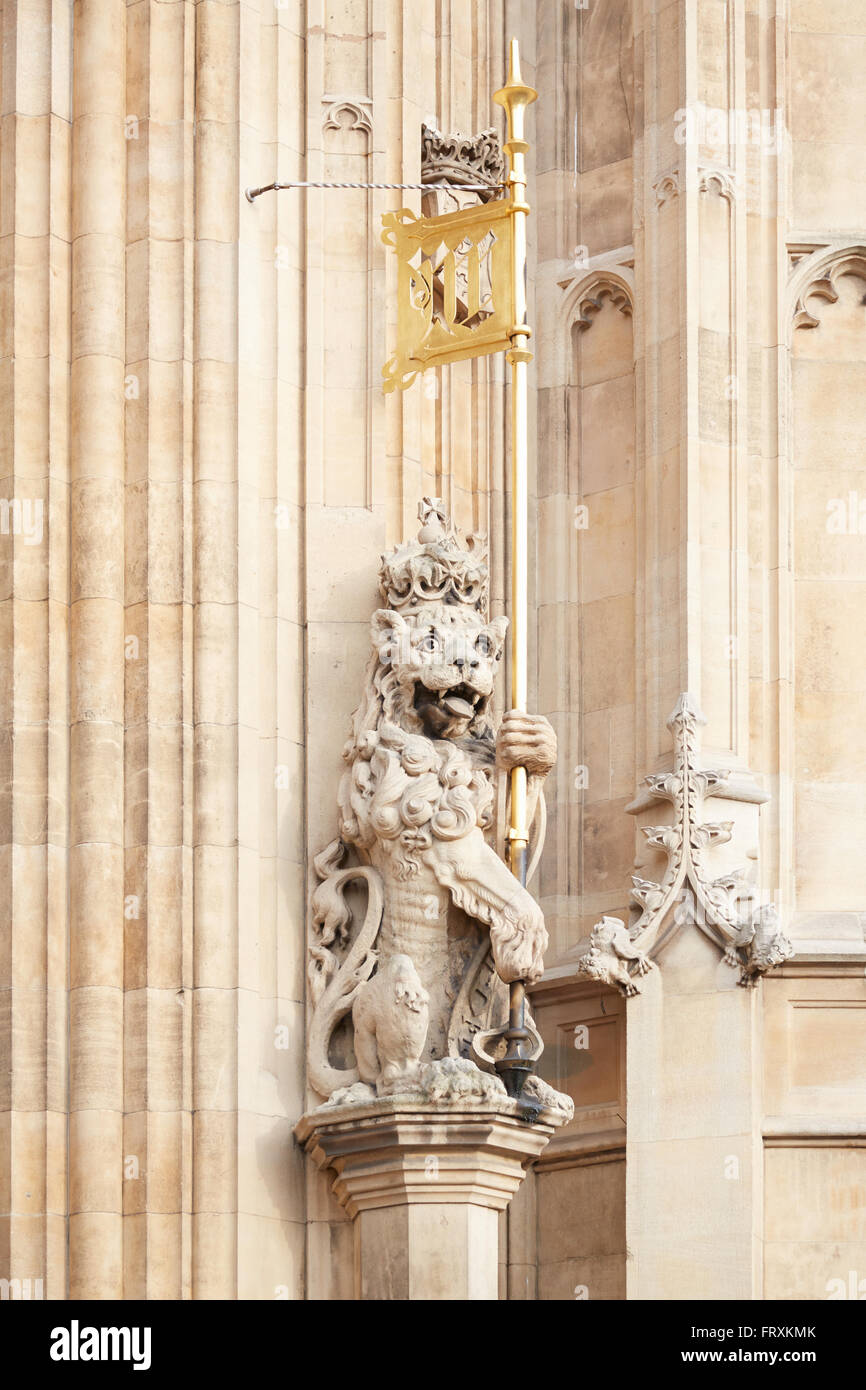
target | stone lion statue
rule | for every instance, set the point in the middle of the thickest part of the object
(445, 917)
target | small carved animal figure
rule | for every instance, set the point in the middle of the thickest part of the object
(611, 948)
(390, 1016)
(764, 942)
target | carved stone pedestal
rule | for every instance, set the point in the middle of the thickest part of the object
(425, 1185)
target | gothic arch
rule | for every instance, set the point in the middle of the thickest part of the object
(580, 303)
(589, 303)
(817, 276)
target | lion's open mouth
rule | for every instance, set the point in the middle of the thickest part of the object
(458, 702)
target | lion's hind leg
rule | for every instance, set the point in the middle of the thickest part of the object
(366, 1052)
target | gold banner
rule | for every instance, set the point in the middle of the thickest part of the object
(455, 287)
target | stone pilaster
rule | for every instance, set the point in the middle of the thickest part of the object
(96, 712)
(214, 1001)
(692, 633)
(35, 253)
(157, 915)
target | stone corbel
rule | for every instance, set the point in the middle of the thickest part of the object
(424, 1187)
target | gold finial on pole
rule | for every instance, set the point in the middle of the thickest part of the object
(515, 96)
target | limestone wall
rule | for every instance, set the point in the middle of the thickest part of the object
(192, 397)
(698, 163)
(201, 472)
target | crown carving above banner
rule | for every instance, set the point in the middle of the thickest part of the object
(435, 567)
(461, 159)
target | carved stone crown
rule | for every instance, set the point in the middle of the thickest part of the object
(461, 159)
(435, 568)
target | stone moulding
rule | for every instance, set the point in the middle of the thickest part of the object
(820, 288)
(667, 187)
(710, 178)
(604, 287)
(395, 1152)
(723, 180)
(358, 109)
(815, 274)
(581, 296)
(724, 908)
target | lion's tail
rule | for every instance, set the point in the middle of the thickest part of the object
(335, 983)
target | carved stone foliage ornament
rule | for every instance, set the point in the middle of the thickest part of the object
(417, 978)
(725, 908)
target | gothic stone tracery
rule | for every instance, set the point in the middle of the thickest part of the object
(726, 908)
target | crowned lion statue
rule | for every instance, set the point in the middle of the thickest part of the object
(447, 925)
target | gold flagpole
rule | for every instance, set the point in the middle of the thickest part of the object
(426, 336)
(515, 96)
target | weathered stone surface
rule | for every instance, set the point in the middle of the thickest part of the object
(198, 474)
(415, 803)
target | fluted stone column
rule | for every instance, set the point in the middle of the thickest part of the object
(197, 437)
(215, 657)
(34, 364)
(158, 707)
(97, 651)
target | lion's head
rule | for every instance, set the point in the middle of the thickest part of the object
(436, 668)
